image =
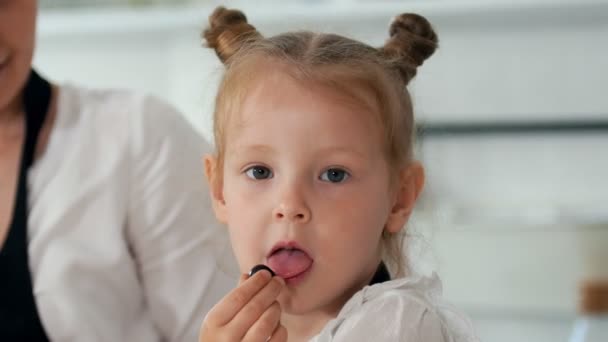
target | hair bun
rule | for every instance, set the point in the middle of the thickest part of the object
(228, 31)
(412, 40)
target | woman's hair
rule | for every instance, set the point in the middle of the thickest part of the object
(350, 66)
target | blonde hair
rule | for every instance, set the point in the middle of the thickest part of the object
(333, 60)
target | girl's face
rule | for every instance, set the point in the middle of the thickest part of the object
(306, 190)
(17, 34)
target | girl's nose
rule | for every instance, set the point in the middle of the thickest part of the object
(293, 209)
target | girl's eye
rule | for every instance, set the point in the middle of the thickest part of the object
(258, 172)
(335, 176)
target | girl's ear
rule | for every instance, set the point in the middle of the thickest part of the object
(410, 183)
(216, 188)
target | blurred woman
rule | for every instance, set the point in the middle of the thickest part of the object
(102, 236)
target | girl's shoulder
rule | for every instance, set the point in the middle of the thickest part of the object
(404, 309)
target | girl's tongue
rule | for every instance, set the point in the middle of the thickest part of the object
(289, 262)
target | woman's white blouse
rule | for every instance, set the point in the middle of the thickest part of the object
(123, 244)
(406, 310)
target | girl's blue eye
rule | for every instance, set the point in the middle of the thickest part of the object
(335, 175)
(258, 172)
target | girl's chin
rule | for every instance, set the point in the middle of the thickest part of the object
(300, 304)
(293, 304)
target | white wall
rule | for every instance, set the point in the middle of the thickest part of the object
(512, 224)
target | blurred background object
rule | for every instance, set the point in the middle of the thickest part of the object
(513, 118)
(592, 325)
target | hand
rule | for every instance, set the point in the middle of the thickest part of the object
(248, 313)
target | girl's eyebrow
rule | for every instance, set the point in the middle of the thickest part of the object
(259, 148)
(343, 150)
(267, 149)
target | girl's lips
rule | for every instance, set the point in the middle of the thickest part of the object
(285, 245)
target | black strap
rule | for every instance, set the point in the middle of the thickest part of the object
(381, 275)
(19, 320)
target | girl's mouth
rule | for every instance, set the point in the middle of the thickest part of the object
(289, 262)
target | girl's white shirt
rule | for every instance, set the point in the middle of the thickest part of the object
(409, 309)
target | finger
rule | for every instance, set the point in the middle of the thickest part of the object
(279, 335)
(252, 311)
(224, 311)
(243, 277)
(264, 327)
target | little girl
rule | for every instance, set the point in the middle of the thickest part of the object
(314, 177)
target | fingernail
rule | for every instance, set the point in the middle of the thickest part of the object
(260, 267)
